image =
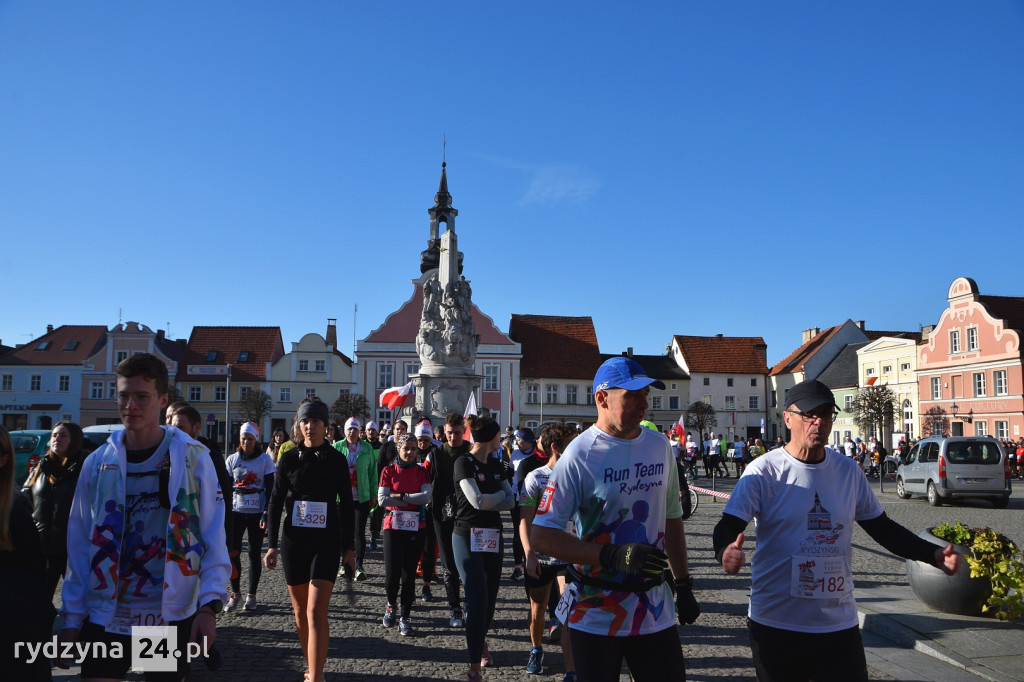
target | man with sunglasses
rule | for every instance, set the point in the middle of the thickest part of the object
(802, 617)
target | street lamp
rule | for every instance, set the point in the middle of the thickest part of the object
(969, 418)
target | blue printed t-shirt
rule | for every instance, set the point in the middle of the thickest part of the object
(618, 491)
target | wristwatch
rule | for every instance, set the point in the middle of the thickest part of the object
(215, 606)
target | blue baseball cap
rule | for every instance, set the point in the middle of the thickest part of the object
(622, 372)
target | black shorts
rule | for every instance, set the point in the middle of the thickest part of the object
(792, 656)
(306, 561)
(548, 572)
(117, 668)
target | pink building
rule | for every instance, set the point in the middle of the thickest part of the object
(969, 366)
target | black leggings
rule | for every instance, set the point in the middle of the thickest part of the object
(428, 549)
(653, 657)
(518, 553)
(360, 512)
(401, 552)
(787, 655)
(240, 523)
(443, 531)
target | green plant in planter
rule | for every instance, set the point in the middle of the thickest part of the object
(996, 557)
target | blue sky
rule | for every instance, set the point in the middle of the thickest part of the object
(750, 169)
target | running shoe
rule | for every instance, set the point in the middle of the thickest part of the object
(250, 602)
(474, 676)
(232, 604)
(555, 635)
(486, 660)
(569, 677)
(389, 616)
(373, 544)
(535, 664)
(457, 620)
(360, 574)
(426, 594)
(517, 573)
(404, 627)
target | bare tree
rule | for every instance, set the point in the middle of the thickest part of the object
(350, 405)
(874, 411)
(935, 422)
(254, 406)
(700, 416)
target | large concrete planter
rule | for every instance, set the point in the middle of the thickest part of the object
(958, 593)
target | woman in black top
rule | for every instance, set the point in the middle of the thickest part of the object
(481, 492)
(313, 487)
(51, 489)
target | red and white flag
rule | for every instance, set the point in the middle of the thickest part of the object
(680, 429)
(397, 395)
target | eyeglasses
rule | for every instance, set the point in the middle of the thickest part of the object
(140, 399)
(824, 415)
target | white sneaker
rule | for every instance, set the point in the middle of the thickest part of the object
(232, 604)
(250, 602)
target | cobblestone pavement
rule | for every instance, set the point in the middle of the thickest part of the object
(262, 645)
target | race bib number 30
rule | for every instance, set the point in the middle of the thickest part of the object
(405, 520)
(308, 514)
(484, 539)
(820, 577)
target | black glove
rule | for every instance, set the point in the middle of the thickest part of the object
(635, 558)
(687, 607)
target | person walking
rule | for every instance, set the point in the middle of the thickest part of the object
(252, 472)
(277, 439)
(314, 486)
(362, 469)
(482, 491)
(404, 490)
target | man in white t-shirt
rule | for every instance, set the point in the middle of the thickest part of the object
(803, 618)
(619, 483)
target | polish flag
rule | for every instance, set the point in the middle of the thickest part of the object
(470, 410)
(872, 380)
(396, 396)
(680, 429)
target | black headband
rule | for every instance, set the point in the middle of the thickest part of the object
(314, 409)
(487, 432)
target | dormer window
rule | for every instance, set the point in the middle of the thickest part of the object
(43, 345)
(243, 356)
(71, 345)
(211, 356)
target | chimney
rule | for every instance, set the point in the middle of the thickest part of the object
(860, 324)
(49, 328)
(809, 334)
(629, 351)
(159, 334)
(762, 350)
(926, 331)
(718, 336)
(332, 332)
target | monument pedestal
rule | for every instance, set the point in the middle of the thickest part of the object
(443, 391)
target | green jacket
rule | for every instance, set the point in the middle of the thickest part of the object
(366, 469)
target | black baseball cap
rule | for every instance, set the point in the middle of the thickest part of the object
(810, 394)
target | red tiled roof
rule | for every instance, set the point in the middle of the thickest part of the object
(1010, 309)
(556, 346)
(718, 354)
(68, 344)
(794, 362)
(263, 344)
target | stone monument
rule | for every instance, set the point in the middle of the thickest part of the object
(447, 340)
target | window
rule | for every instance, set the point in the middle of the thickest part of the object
(319, 365)
(385, 375)
(728, 382)
(410, 369)
(847, 402)
(905, 367)
(979, 384)
(112, 390)
(35, 382)
(590, 394)
(571, 391)
(706, 399)
(954, 341)
(656, 402)
(908, 418)
(531, 394)
(886, 369)
(310, 392)
(972, 338)
(343, 391)
(754, 402)
(43, 345)
(119, 356)
(870, 371)
(999, 381)
(532, 423)
(551, 394)
(1002, 429)
(707, 381)
(730, 402)
(219, 393)
(491, 377)
(70, 345)
(284, 395)
(303, 365)
(753, 382)
(195, 394)
(64, 383)
(775, 399)
(936, 388)
(66, 417)
(8, 383)
(211, 356)
(383, 416)
(673, 402)
(96, 390)
(244, 391)
(980, 428)
(243, 356)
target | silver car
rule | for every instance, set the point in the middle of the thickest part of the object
(946, 468)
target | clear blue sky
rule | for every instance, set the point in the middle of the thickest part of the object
(667, 168)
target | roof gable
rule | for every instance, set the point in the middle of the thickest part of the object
(842, 372)
(1010, 309)
(795, 361)
(246, 349)
(556, 346)
(68, 344)
(722, 354)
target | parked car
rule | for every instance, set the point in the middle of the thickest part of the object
(949, 468)
(96, 436)
(29, 446)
